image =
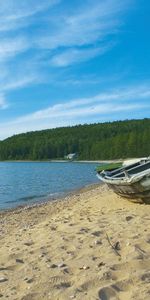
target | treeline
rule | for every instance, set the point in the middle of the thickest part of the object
(111, 140)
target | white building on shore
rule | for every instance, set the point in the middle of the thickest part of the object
(71, 156)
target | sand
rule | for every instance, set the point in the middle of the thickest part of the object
(90, 245)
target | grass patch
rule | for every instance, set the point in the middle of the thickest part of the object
(109, 167)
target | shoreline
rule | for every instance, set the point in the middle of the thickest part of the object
(20, 208)
(63, 161)
(92, 244)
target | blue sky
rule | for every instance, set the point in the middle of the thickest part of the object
(73, 62)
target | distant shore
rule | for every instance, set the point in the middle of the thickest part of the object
(90, 245)
(67, 161)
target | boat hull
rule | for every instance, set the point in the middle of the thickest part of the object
(133, 192)
(129, 183)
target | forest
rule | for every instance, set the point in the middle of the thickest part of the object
(100, 141)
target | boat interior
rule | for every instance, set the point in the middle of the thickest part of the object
(127, 171)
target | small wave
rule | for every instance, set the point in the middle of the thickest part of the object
(54, 194)
(26, 199)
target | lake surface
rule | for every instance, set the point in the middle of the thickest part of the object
(25, 183)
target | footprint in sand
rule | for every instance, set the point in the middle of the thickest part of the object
(31, 296)
(107, 293)
(112, 292)
(146, 277)
(59, 281)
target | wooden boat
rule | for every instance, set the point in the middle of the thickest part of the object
(131, 181)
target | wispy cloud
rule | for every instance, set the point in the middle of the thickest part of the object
(42, 39)
(12, 46)
(114, 100)
(61, 39)
(109, 104)
(20, 83)
(90, 26)
(23, 76)
(72, 56)
(15, 13)
(3, 103)
(93, 22)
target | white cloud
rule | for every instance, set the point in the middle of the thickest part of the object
(12, 46)
(3, 104)
(17, 83)
(70, 118)
(93, 23)
(122, 101)
(71, 36)
(99, 104)
(13, 80)
(71, 56)
(96, 103)
(14, 13)
(62, 38)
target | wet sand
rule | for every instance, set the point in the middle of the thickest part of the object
(90, 245)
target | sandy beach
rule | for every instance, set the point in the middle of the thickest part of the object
(89, 245)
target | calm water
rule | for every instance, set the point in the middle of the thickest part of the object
(24, 183)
